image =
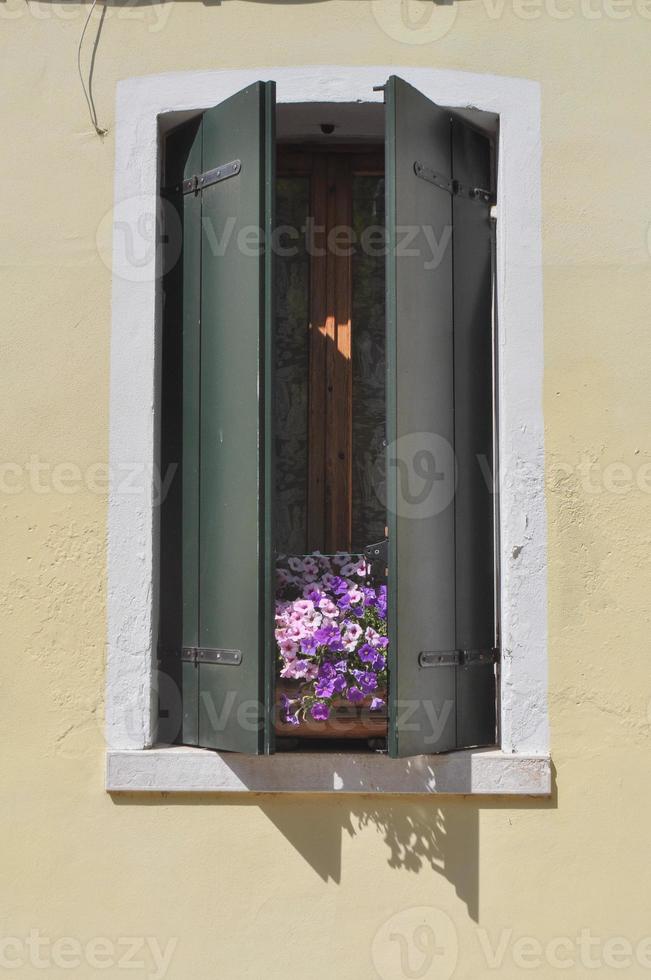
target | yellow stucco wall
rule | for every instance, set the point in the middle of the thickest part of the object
(300, 887)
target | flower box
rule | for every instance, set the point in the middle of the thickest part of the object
(345, 720)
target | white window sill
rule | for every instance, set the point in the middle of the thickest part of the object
(187, 770)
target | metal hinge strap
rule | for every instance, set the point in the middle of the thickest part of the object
(211, 655)
(458, 658)
(454, 187)
(199, 182)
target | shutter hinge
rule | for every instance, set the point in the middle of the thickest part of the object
(211, 655)
(454, 187)
(458, 658)
(199, 182)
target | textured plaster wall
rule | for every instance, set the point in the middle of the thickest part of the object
(295, 887)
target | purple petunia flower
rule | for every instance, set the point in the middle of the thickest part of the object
(370, 598)
(324, 688)
(338, 585)
(313, 594)
(328, 609)
(326, 672)
(325, 635)
(339, 684)
(366, 653)
(382, 602)
(355, 695)
(371, 636)
(320, 711)
(376, 704)
(366, 680)
(288, 709)
(295, 669)
(308, 645)
(328, 681)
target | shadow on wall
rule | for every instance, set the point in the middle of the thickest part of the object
(421, 833)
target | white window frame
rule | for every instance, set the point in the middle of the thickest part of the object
(521, 766)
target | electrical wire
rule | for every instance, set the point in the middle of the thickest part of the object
(88, 94)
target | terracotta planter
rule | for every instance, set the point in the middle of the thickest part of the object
(346, 720)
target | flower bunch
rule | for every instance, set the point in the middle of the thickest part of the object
(331, 632)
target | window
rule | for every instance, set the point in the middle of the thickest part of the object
(138, 757)
(262, 473)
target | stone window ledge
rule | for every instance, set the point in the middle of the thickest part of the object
(174, 769)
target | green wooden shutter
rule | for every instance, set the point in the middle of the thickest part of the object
(440, 410)
(225, 433)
